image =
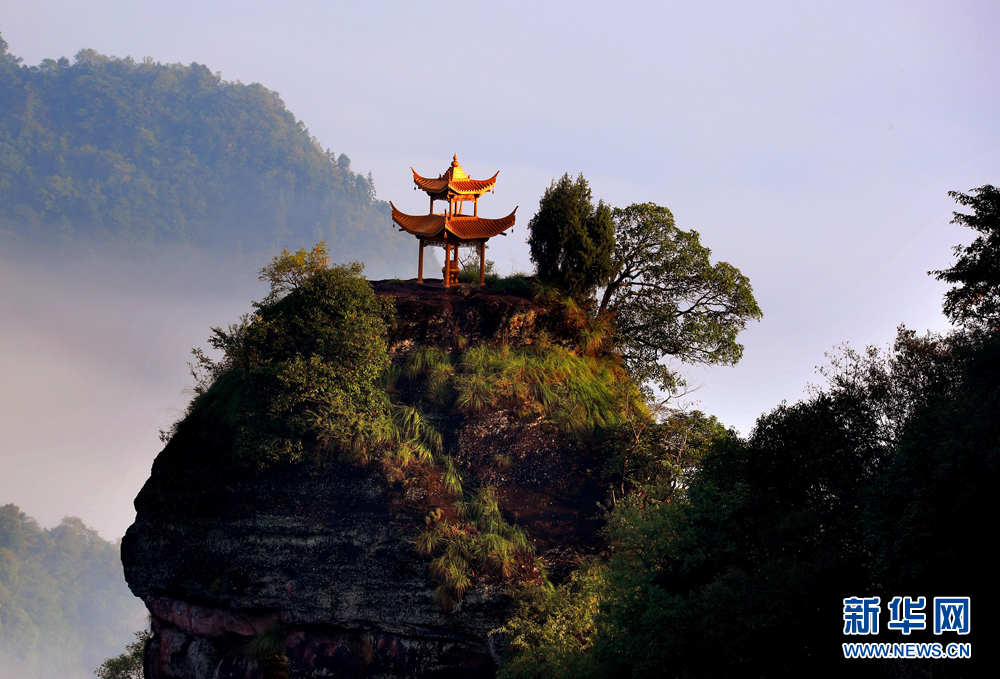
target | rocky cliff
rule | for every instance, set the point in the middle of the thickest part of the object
(322, 556)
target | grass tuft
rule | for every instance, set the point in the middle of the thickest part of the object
(484, 543)
(577, 393)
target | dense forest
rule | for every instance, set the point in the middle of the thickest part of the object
(146, 152)
(64, 605)
(877, 485)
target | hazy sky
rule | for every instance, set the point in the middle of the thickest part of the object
(811, 145)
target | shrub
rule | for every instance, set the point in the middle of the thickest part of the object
(469, 272)
(552, 628)
(300, 376)
(128, 665)
(515, 284)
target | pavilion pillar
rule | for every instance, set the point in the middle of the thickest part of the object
(447, 265)
(452, 228)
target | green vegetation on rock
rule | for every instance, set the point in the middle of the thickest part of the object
(480, 541)
(659, 292)
(580, 395)
(577, 393)
(307, 377)
(298, 378)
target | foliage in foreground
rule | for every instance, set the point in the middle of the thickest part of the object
(128, 665)
(554, 628)
(878, 484)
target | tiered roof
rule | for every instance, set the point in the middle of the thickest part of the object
(461, 227)
(454, 181)
(455, 187)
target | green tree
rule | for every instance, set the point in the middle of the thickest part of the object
(927, 508)
(288, 271)
(880, 482)
(128, 665)
(571, 240)
(666, 298)
(5, 56)
(976, 299)
(552, 629)
(883, 481)
(649, 458)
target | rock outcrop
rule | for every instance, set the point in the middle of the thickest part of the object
(325, 553)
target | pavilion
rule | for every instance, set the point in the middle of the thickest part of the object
(453, 229)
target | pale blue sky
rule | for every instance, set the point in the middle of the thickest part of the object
(811, 144)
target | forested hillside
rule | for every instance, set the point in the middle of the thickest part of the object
(150, 152)
(64, 605)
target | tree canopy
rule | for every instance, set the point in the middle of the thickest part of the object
(571, 239)
(128, 665)
(660, 294)
(975, 300)
(667, 299)
(880, 483)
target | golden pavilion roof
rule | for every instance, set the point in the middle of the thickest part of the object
(461, 227)
(454, 180)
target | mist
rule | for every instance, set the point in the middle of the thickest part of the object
(94, 349)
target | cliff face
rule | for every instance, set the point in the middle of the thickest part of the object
(325, 553)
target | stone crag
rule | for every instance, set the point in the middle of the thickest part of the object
(325, 554)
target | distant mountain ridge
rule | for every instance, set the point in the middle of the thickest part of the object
(150, 152)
